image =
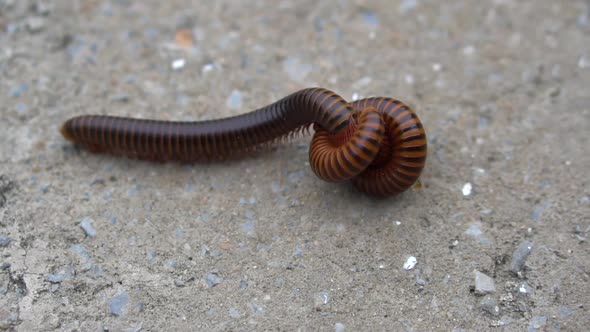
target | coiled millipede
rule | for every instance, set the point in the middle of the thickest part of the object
(378, 143)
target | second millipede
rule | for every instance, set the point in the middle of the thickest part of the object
(377, 143)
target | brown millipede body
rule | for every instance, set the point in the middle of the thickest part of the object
(378, 143)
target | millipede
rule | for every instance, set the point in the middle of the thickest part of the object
(377, 143)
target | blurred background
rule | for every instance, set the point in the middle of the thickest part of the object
(495, 236)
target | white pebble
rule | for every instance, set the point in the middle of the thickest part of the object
(479, 171)
(339, 327)
(207, 68)
(410, 263)
(468, 50)
(234, 100)
(178, 64)
(86, 225)
(363, 82)
(409, 78)
(467, 189)
(584, 62)
(436, 67)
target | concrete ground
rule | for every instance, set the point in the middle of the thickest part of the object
(499, 227)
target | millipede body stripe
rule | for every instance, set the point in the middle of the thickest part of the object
(378, 143)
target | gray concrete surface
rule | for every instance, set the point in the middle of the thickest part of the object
(95, 243)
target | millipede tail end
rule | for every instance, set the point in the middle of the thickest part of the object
(63, 129)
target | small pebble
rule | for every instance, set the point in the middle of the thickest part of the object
(171, 265)
(134, 190)
(213, 279)
(370, 18)
(484, 122)
(467, 187)
(484, 284)
(339, 327)
(490, 305)
(205, 217)
(178, 283)
(322, 298)
(21, 108)
(298, 252)
(234, 313)
(410, 263)
(86, 225)
(5, 266)
(520, 255)
(256, 309)
(151, 256)
(243, 284)
(249, 214)
(81, 252)
(420, 281)
(12, 28)
(62, 275)
(179, 233)
(565, 312)
(539, 209)
(407, 5)
(120, 98)
(118, 303)
(537, 323)
(361, 83)
(45, 188)
(249, 227)
(207, 68)
(4, 240)
(275, 187)
(525, 288)
(505, 320)
(43, 8)
(584, 62)
(35, 24)
(474, 229)
(469, 50)
(296, 177)
(206, 251)
(18, 90)
(234, 100)
(178, 64)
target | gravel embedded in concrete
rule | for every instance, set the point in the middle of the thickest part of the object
(484, 284)
(520, 255)
(502, 102)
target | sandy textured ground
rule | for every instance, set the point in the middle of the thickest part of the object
(95, 243)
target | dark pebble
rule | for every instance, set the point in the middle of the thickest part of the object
(520, 255)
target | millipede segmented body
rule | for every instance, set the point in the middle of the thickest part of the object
(377, 143)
